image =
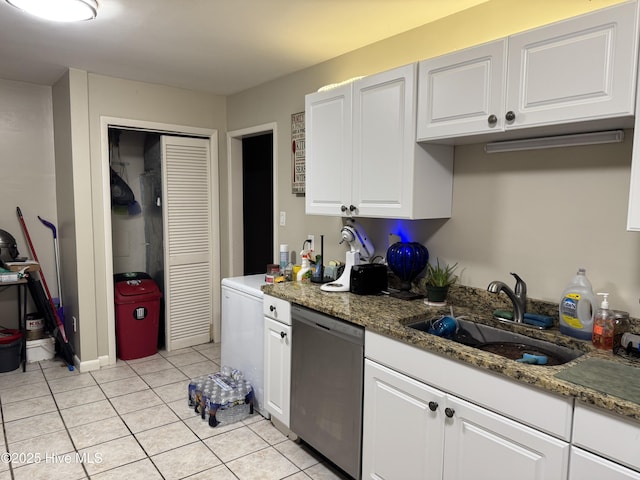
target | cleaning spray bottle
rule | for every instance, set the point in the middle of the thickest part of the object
(305, 273)
(577, 307)
(603, 323)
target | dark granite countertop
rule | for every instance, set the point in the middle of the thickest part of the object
(389, 316)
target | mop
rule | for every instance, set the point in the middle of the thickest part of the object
(56, 252)
(66, 350)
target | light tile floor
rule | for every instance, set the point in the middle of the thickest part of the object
(132, 421)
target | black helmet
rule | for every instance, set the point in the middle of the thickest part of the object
(8, 247)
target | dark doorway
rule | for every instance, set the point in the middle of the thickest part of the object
(257, 202)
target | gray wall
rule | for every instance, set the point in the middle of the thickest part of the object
(541, 214)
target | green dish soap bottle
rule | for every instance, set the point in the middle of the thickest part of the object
(577, 307)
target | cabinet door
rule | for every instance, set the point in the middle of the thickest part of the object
(383, 140)
(462, 93)
(579, 69)
(328, 151)
(586, 466)
(633, 212)
(606, 434)
(277, 369)
(482, 444)
(402, 435)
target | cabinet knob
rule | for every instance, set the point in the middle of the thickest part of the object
(433, 406)
(510, 116)
(272, 308)
(343, 208)
(283, 334)
(492, 119)
(352, 208)
(449, 412)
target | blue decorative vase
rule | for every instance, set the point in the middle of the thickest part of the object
(407, 260)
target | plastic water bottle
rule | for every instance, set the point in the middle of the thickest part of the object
(197, 399)
(191, 393)
(204, 402)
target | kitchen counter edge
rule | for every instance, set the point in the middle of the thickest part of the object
(389, 316)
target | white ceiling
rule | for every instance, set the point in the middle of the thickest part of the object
(218, 46)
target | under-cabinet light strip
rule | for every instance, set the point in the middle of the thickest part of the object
(592, 138)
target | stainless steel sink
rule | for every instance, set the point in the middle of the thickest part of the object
(505, 343)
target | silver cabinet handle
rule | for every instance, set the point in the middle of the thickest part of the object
(492, 119)
(510, 116)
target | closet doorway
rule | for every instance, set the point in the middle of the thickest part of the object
(170, 231)
(135, 165)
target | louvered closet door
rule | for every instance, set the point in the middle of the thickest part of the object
(187, 241)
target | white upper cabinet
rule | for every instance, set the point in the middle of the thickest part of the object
(328, 150)
(568, 73)
(580, 69)
(361, 154)
(462, 93)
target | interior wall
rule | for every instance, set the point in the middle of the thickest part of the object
(28, 165)
(143, 102)
(542, 214)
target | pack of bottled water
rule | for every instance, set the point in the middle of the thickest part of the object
(222, 398)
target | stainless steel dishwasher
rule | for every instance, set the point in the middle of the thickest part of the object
(327, 361)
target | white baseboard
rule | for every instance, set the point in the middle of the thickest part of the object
(105, 361)
(87, 366)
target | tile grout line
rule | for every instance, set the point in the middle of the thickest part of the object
(6, 440)
(119, 415)
(64, 423)
(163, 401)
(151, 388)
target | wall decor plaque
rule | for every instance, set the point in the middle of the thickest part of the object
(298, 153)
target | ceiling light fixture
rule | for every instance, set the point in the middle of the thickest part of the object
(59, 10)
(592, 138)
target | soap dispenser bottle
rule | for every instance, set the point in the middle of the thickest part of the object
(603, 325)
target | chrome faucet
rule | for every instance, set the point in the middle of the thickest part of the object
(517, 297)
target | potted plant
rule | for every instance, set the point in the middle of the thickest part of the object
(438, 279)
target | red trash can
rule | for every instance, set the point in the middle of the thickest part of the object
(137, 318)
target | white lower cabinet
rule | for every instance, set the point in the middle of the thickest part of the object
(277, 358)
(586, 466)
(481, 444)
(604, 443)
(403, 426)
(414, 431)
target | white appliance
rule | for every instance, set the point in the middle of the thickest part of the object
(360, 245)
(242, 337)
